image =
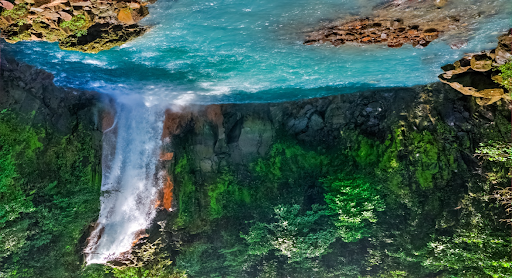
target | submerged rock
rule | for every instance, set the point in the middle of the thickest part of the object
(87, 26)
(370, 31)
(403, 22)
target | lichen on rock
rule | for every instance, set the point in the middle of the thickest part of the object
(83, 25)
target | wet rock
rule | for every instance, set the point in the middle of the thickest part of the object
(316, 122)
(6, 5)
(125, 16)
(374, 31)
(481, 62)
(401, 22)
(475, 75)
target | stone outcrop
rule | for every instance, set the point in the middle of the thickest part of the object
(84, 25)
(477, 75)
(403, 22)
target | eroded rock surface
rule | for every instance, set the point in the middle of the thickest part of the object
(84, 25)
(477, 75)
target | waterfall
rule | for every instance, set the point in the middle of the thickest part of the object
(130, 181)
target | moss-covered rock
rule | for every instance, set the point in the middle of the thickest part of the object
(87, 26)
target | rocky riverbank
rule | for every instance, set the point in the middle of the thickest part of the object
(83, 25)
(404, 22)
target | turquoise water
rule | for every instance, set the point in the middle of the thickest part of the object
(238, 51)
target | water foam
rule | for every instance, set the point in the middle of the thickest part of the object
(130, 181)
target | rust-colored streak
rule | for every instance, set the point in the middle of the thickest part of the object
(168, 187)
(166, 156)
(214, 114)
(138, 236)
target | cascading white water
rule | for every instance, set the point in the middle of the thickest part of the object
(130, 180)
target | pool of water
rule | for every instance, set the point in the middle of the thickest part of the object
(237, 51)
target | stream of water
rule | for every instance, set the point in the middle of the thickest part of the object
(244, 51)
(130, 181)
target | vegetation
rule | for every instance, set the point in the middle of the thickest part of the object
(17, 13)
(506, 76)
(77, 25)
(400, 204)
(49, 195)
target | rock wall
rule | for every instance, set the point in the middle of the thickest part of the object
(31, 94)
(237, 134)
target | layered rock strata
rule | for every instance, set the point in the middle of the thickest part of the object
(477, 74)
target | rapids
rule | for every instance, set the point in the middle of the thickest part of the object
(246, 51)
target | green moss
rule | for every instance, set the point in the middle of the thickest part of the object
(18, 12)
(187, 191)
(77, 25)
(287, 161)
(506, 76)
(424, 154)
(50, 34)
(225, 193)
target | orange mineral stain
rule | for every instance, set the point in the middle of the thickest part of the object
(166, 156)
(168, 187)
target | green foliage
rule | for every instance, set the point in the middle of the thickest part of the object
(52, 194)
(19, 11)
(77, 25)
(354, 202)
(506, 75)
(17, 146)
(470, 254)
(152, 262)
(293, 234)
(495, 151)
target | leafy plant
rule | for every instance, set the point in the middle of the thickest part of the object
(495, 151)
(354, 203)
(506, 76)
(294, 235)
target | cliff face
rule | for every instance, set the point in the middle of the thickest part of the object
(237, 134)
(50, 172)
(235, 168)
(31, 93)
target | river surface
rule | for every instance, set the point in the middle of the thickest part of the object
(246, 51)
